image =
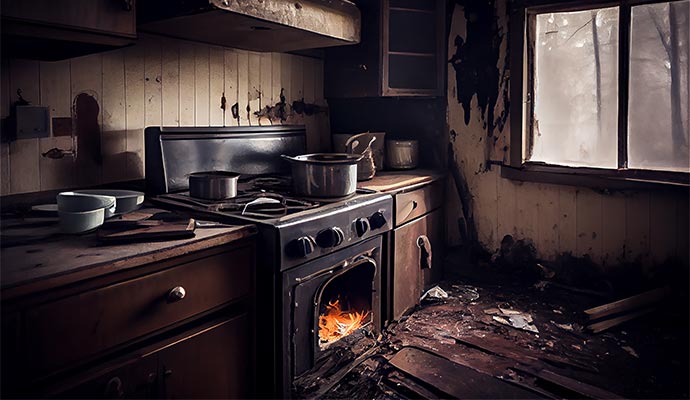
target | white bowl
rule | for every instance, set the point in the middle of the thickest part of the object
(83, 221)
(125, 200)
(79, 202)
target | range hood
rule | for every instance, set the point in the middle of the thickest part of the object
(259, 25)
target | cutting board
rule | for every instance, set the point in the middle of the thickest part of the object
(145, 230)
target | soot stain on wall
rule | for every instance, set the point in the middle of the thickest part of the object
(476, 61)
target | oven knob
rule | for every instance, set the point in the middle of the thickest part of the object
(301, 247)
(361, 226)
(377, 220)
(330, 237)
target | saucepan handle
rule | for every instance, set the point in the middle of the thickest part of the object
(286, 157)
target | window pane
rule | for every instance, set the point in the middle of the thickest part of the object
(576, 88)
(658, 118)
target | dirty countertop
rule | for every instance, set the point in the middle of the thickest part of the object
(44, 258)
(395, 181)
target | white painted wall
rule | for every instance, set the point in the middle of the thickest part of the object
(158, 81)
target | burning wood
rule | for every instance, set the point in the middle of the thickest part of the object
(336, 323)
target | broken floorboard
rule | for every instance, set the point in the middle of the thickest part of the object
(458, 330)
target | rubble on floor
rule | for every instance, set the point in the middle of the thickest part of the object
(642, 358)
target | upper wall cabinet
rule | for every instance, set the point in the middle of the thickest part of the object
(402, 52)
(58, 29)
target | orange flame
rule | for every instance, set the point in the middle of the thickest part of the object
(335, 323)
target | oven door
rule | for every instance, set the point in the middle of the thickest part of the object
(312, 286)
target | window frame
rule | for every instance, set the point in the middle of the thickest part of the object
(523, 17)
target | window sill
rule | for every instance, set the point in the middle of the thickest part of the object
(603, 179)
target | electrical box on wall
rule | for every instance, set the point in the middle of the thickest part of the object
(33, 122)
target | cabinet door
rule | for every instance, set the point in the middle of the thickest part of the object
(135, 378)
(412, 243)
(413, 47)
(213, 363)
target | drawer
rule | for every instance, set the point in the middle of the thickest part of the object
(411, 205)
(77, 327)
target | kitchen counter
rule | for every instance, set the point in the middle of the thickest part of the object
(396, 181)
(65, 259)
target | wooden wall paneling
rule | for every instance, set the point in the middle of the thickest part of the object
(548, 226)
(4, 112)
(5, 96)
(55, 87)
(276, 84)
(683, 228)
(231, 85)
(322, 118)
(4, 169)
(528, 204)
(24, 154)
(486, 208)
(114, 134)
(254, 86)
(266, 62)
(662, 226)
(589, 224)
(56, 93)
(170, 85)
(24, 166)
(87, 77)
(57, 173)
(187, 82)
(153, 104)
(216, 85)
(242, 85)
(201, 85)
(297, 86)
(506, 213)
(567, 219)
(313, 133)
(286, 78)
(135, 116)
(613, 228)
(637, 227)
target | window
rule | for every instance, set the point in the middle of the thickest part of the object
(605, 88)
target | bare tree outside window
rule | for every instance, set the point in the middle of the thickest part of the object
(658, 118)
(575, 88)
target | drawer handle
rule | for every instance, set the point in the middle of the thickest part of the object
(176, 294)
(407, 211)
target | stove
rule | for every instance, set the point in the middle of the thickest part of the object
(319, 263)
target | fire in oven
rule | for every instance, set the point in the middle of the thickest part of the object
(330, 299)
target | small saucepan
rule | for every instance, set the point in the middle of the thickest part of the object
(213, 185)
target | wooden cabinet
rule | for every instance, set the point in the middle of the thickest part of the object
(402, 52)
(210, 361)
(59, 29)
(138, 335)
(417, 244)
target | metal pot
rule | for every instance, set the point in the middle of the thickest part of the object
(324, 174)
(402, 154)
(213, 185)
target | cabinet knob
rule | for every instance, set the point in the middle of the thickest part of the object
(176, 294)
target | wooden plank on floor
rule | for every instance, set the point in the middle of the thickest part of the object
(628, 303)
(454, 380)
